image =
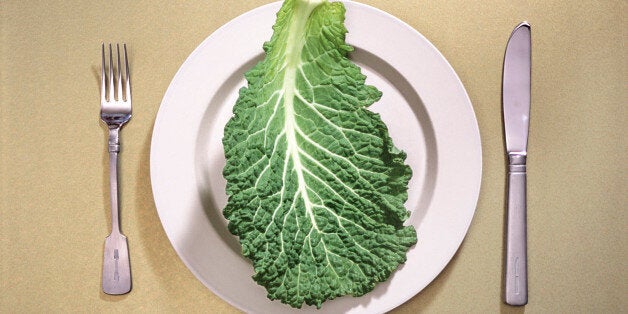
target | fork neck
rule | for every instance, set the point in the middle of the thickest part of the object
(114, 139)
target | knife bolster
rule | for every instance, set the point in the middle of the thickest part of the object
(516, 163)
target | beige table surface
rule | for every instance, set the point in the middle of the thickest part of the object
(53, 159)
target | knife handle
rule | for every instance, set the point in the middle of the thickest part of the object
(516, 280)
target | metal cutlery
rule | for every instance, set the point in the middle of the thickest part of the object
(516, 114)
(115, 111)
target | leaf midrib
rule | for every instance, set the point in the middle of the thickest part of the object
(294, 48)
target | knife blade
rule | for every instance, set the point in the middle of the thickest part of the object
(516, 117)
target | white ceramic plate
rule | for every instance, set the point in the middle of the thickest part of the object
(425, 106)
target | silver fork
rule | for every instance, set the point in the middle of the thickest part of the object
(115, 111)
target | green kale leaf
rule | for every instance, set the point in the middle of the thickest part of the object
(316, 187)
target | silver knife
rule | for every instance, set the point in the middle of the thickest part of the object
(516, 111)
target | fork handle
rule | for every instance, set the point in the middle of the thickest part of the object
(516, 275)
(116, 271)
(113, 187)
(116, 276)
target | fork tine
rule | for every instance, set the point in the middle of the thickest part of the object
(103, 80)
(127, 78)
(111, 86)
(118, 76)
